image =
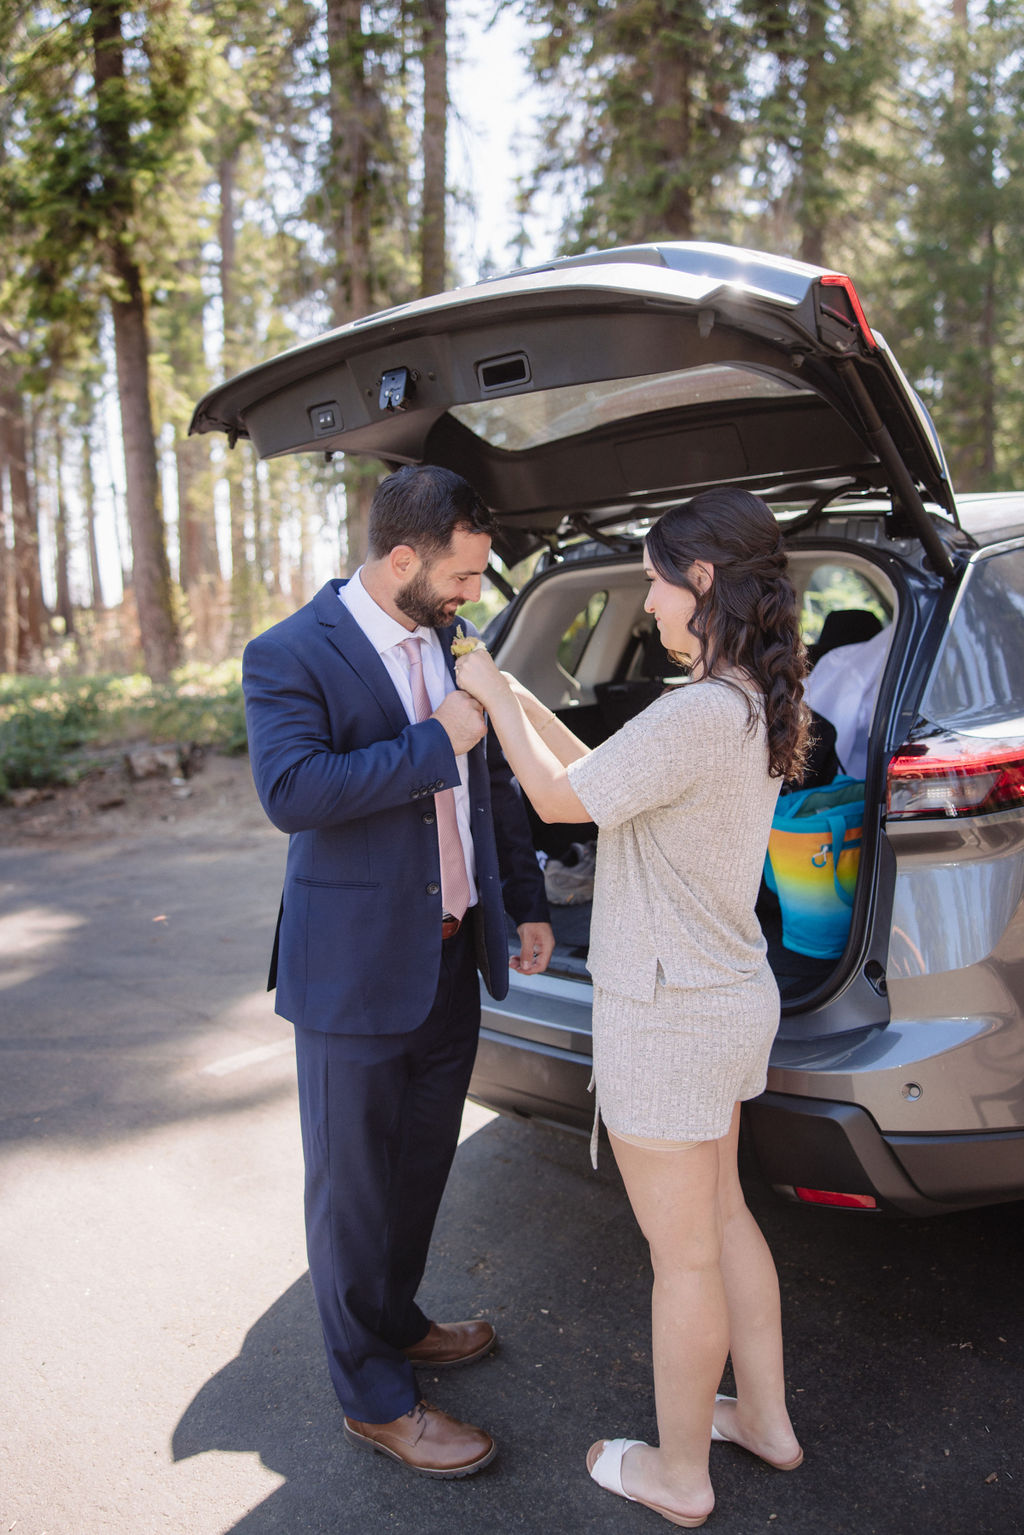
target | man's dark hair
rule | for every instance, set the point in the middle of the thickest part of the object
(422, 506)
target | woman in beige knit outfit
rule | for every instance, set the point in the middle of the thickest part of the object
(685, 1005)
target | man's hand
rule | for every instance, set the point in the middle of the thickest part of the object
(463, 720)
(537, 944)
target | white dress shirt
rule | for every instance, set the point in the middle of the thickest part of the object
(844, 687)
(385, 634)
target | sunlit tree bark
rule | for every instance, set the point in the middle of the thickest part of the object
(27, 581)
(433, 22)
(63, 606)
(151, 577)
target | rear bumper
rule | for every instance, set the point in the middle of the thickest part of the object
(534, 1081)
(812, 1143)
(534, 1057)
(534, 1060)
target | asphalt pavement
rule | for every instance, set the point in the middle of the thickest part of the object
(161, 1362)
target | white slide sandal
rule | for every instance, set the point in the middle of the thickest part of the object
(604, 1462)
(720, 1438)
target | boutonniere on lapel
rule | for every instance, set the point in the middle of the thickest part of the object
(464, 644)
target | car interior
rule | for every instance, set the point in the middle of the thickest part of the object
(581, 641)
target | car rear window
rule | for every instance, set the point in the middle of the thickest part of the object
(577, 637)
(834, 588)
(520, 422)
(978, 679)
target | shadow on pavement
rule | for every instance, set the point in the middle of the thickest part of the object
(128, 966)
(904, 1362)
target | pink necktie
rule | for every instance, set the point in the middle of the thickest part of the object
(454, 881)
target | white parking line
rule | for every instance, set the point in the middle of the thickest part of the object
(230, 1063)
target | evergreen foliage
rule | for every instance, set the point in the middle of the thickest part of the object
(643, 128)
(957, 282)
(186, 189)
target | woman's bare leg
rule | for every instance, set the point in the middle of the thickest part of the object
(760, 1420)
(674, 1194)
(715, 1291)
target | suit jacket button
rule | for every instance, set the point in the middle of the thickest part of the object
(429, 818)
(433, 889)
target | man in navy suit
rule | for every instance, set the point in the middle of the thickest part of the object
(408, 841)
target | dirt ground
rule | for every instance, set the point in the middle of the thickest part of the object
(217, 794)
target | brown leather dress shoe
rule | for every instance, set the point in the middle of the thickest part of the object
(450, 1343)
(427, 1440)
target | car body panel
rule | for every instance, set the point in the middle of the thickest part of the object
(915, 1074)
(959, 888)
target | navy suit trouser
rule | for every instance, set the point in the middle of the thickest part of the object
(380, 1117)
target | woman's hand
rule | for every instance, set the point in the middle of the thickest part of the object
(478, 676)
(541, 770)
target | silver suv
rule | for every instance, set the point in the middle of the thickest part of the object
(583, 397)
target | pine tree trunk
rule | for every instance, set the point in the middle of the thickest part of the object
(87, 491)
(63, 609)
(197, 542)
(241, 573)
(151, 578)
(360, 483)
(988, 318)
(241, 566)
(6, 582)
(435, 121)
(151, 575)
(28, 587)
(988, 389)
(966, 384)
(198, 559)
(8, 650)
(264, 532)
(226, 235)
(302, 576)
(813, 155)
(351, 104)
(352, 111)
(672, 127)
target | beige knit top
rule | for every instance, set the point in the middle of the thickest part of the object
(684, 802)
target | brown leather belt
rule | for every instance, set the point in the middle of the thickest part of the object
(450, 926)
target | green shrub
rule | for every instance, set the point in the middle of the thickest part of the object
(52, 731)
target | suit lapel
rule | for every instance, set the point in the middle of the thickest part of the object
(446, 636)
(362, 659)
(478, 754)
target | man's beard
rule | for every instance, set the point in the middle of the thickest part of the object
(419, 601)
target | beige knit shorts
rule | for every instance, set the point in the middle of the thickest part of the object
(673, 1069)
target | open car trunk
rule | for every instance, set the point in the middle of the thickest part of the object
(579, 639)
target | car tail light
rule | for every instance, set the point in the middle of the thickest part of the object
(836, 280)
(953, 775)
(830, 1197)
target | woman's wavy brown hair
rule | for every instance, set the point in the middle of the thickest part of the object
(748, 616)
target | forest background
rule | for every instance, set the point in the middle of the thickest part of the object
(189, 186)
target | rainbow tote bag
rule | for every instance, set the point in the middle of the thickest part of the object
(812, 862)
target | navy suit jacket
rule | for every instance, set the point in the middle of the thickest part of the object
(339, 767)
